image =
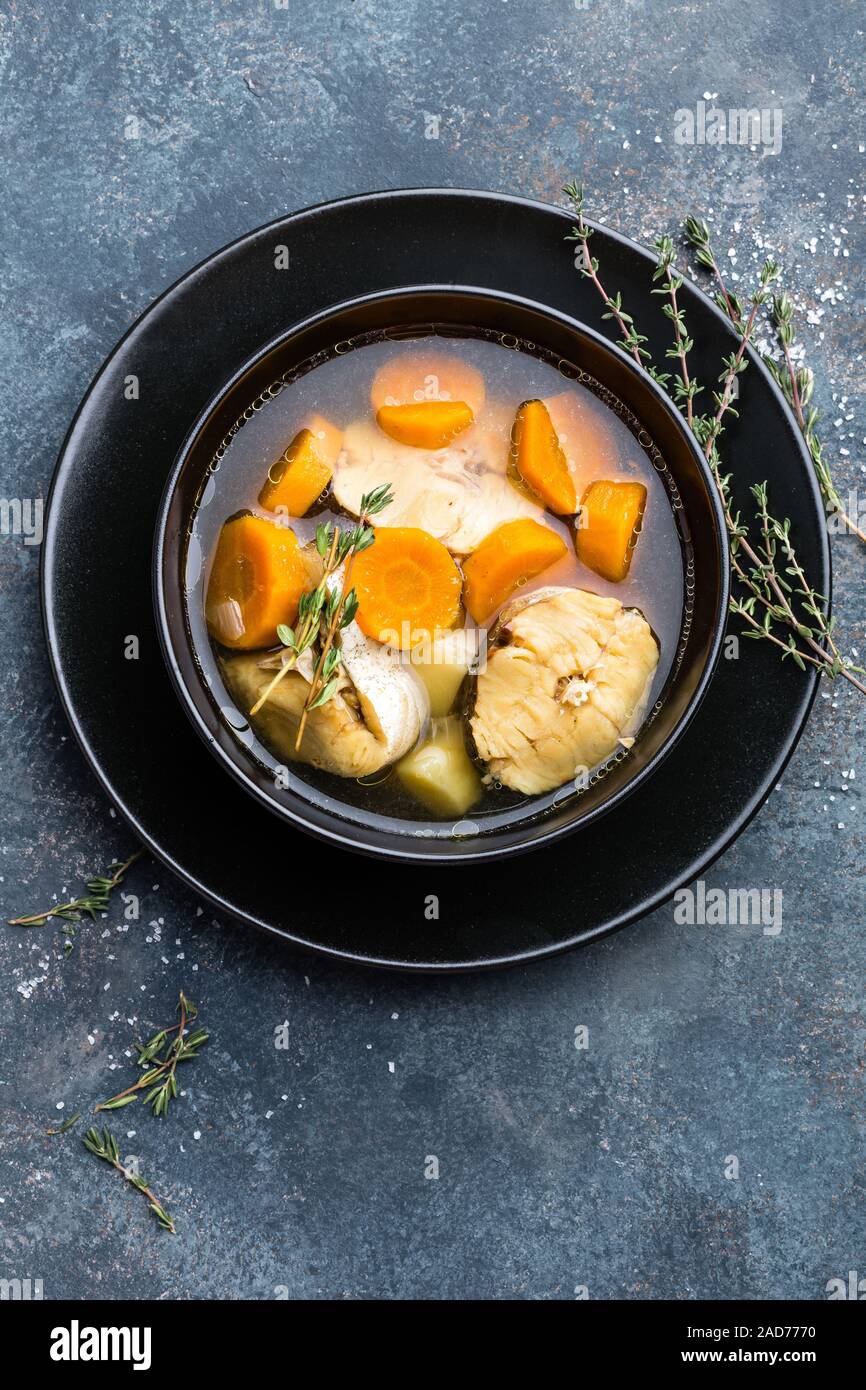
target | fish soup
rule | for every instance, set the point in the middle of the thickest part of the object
(436, 583)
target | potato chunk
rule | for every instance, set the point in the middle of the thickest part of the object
(440, 773)
(442, 665)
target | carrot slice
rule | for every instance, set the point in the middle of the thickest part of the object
(539, 458)
(256, 580)
(609, 525)
(299, 475)
(411, 378)
(584, 429)
(430, 425)
(408, 587)
(504, 560)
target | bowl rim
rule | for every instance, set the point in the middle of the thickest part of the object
(471, 851)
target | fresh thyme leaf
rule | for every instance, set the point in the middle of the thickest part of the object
(330, 664)
(376, 501)
(149, 1050)
(67, 1125)
(323, 695)
(323, 538)
(117, 1103)
(350, 608)
(364, 538)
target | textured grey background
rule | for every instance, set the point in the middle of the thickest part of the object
(558, 1167)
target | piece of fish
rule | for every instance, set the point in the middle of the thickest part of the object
(569, 674)
(377, 713)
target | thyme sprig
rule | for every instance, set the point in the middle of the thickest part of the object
(709, 428)
(159, 1081)
(581, 233)
(795, 383)
(685, 389)
(779, 604)
(323, 612)
(698, 233)
(99, 890)
(104, 1146)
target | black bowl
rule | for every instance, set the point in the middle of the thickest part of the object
(581, 354)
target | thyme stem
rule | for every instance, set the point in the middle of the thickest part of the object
(797, 388)
(741, 612)
(333, 627)
(684, 388)
(581, 234)
(681, 351)
(795, 385)
(765, 566)
(323, 611)
(698, 233)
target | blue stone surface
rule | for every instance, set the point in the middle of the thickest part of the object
(135, 139)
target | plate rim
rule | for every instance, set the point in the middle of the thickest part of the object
(649, 904)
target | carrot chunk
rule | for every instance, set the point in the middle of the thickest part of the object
(410, 378)
(256, 580)
(429, 425)
(504, 560)
(609, 525)
(303, 472)
(408, 587)
(539, 458)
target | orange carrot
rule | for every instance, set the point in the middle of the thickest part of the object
(410, 378)
(408, 587)
(302, 473)
(430, 425)
(539, 458)
(504, 560)
(608, 527)
(256, 580)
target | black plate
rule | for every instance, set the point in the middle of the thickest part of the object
(96, 594)
(669, 446)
